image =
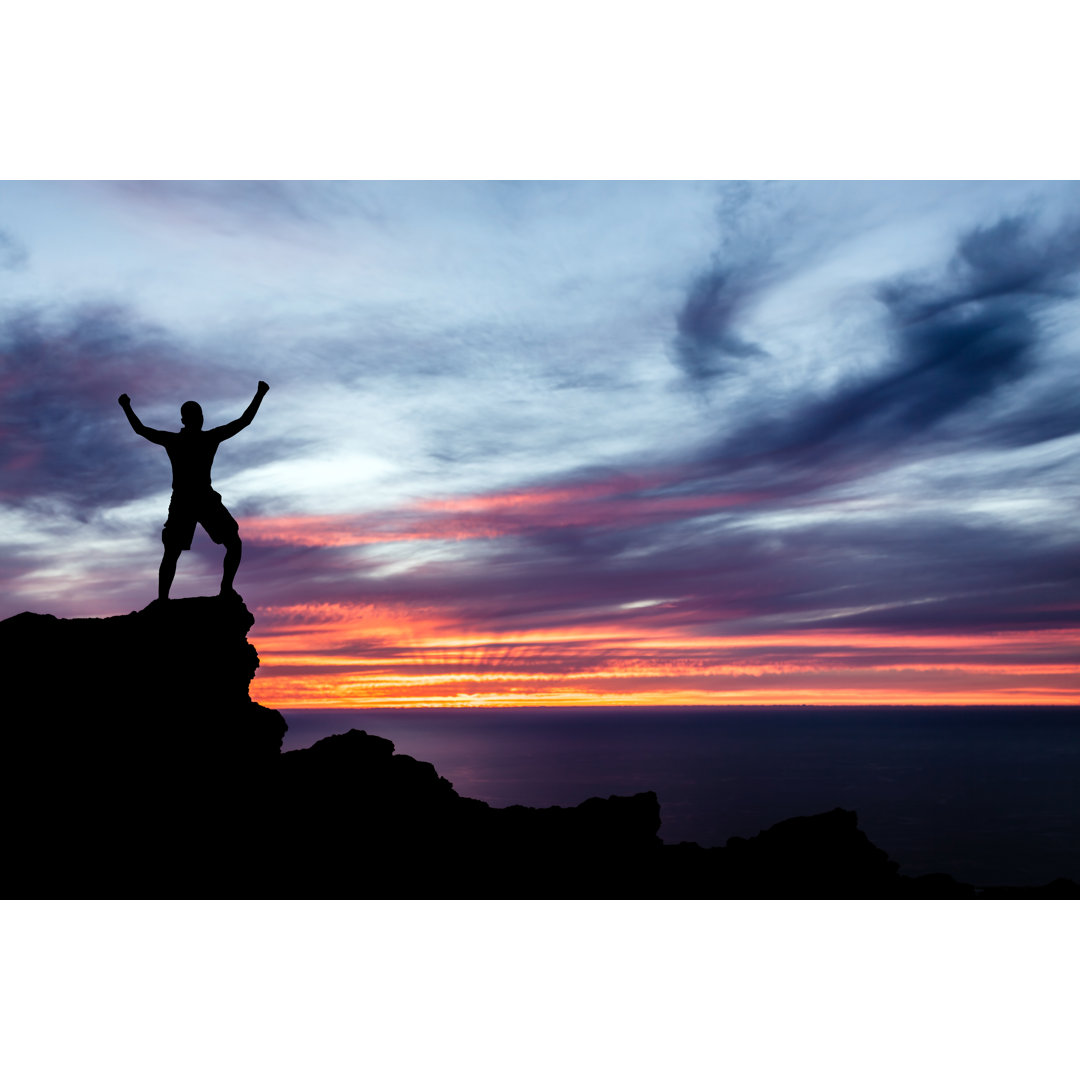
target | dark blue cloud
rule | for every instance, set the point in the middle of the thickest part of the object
(958, 342)
(745, 261)
(706, 339)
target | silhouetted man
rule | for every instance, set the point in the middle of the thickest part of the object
(191, 451)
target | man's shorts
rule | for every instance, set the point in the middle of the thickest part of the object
(203, 508)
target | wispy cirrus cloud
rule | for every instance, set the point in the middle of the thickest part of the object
(242, 205)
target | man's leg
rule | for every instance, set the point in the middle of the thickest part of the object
(233, 548)
(167, 571)
(222, 528)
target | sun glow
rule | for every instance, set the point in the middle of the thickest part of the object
(343, 656)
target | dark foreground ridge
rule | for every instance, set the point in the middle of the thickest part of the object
(111, 788)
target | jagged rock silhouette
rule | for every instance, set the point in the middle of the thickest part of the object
(139, 766)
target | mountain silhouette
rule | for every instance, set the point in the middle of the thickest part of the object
(139, 766)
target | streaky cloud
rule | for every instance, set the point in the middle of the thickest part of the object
(743, 264)
(232, 206)
(706, 339)
(959, 341)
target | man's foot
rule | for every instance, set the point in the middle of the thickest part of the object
(229, 594)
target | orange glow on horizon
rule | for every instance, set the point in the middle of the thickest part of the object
(278, 697)
(342, 656)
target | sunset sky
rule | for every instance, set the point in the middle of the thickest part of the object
(566, 443)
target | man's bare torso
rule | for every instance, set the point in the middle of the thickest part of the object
(192, 454)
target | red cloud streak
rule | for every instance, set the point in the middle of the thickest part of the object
(620, 502)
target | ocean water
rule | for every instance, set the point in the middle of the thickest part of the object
(989, 795)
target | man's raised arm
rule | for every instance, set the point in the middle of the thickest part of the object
(138, 426)
(227, 431)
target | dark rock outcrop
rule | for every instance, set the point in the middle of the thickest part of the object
(824, 856)
(133, 748)
(141, 685)
(137, 765)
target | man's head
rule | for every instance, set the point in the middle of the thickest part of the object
(191, 415)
